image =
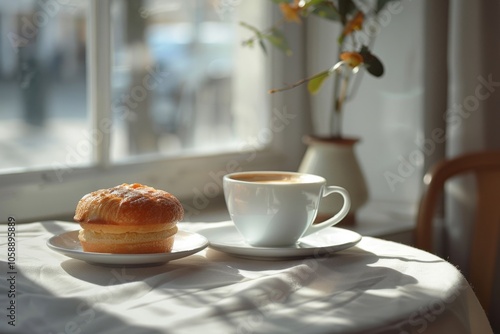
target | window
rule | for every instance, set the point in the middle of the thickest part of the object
(42, 83)
(175, 68)
(100, 92)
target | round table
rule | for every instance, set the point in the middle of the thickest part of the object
(375, 286)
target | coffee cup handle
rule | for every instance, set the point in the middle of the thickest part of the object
(338, 217)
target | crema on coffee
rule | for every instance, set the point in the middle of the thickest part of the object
(274, 178)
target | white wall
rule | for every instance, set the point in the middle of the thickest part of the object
(386, 113)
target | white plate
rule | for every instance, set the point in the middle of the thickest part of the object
(185, 244)
(330, 240)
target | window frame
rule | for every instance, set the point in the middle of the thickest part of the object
(52, 193)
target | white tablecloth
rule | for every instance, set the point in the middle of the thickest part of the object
(374, 287)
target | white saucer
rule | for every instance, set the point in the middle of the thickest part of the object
(330, 240)
(185, 244)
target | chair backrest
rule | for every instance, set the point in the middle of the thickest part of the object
(485, 166)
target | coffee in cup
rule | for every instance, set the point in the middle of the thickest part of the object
(276, 209)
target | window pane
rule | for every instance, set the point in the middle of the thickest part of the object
(178, 73)
(43, 110)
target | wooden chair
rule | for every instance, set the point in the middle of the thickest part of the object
(485, 166)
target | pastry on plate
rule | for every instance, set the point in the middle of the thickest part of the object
(128, 219)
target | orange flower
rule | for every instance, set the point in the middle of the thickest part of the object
(291, 11)
(356, 23)
(353, 59)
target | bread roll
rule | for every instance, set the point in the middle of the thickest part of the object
(128, 219)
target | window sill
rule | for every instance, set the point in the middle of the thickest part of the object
(387, 220)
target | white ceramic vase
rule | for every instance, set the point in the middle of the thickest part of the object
(335, 159)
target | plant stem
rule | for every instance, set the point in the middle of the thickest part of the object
(335, 115)
(295, 84)
(335, 127)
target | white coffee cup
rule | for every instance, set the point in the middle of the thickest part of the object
(276, 209)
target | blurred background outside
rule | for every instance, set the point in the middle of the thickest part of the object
(173, 80)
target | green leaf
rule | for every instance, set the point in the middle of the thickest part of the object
(277, 38)
(346, 7)
(373, 64)
(251, 28)
(249, 43)
(315, 84)
(327, 11)
(263, 46)
(340, 40)
(309, 3)
(259, 36)
(280, 1)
